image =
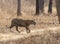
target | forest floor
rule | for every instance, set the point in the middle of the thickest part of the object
(44, 22)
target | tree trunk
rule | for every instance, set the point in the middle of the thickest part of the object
(41, 5)
(19, 8)
(50, 6)
(58, 9)
(37, 7)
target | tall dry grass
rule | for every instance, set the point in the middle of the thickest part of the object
(46, 37)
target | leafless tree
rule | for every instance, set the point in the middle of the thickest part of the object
(41, 5)
(50, 6)
(18, 7)
(58, 8)
(37, 7)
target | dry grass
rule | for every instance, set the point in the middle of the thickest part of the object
(48, 37)
(36, 37)
(44, 21)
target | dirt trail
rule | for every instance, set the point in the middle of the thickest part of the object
(15, 36)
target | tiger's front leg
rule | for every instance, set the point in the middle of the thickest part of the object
(17, 29)
(27, 30)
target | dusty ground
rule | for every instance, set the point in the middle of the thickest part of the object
(43, 22)
(44, 36)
